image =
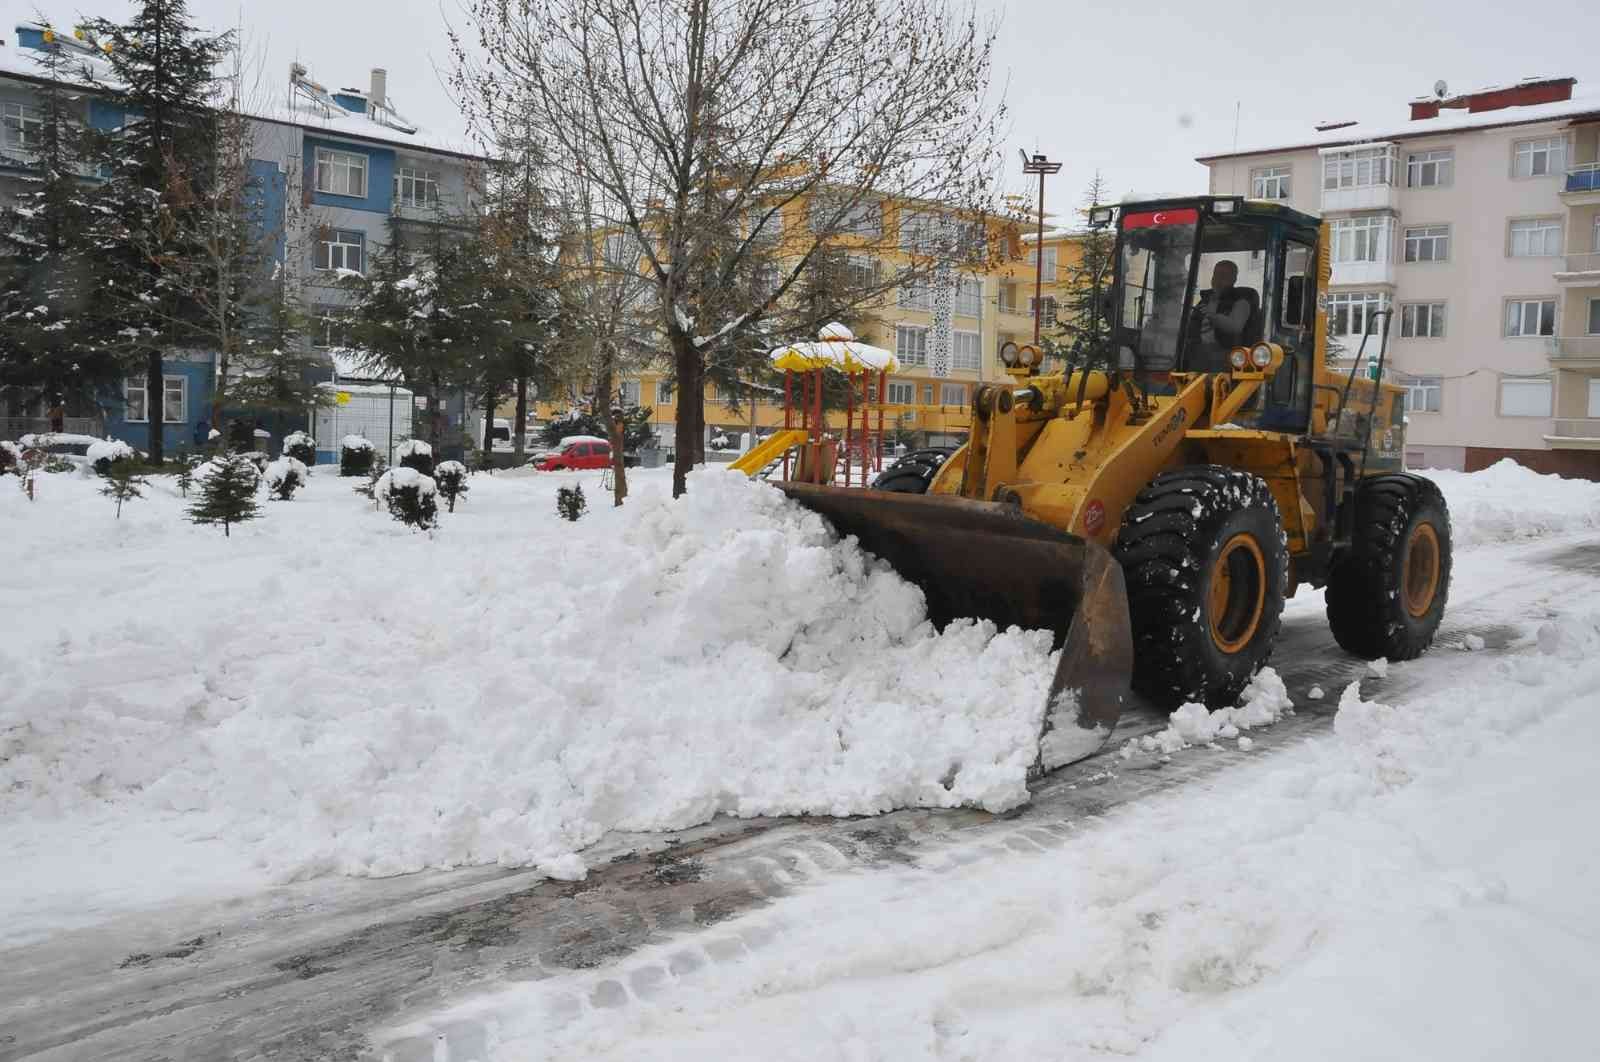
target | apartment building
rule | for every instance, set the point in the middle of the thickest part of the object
(331, 169)
(989, 307)
(1476, 221)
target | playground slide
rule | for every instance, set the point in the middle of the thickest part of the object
(768, 450)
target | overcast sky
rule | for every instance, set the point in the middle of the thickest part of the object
(1133, 90)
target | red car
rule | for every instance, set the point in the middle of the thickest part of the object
(577, 451)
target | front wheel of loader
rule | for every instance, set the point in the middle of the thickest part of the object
(1206, 565)
(1387, 592)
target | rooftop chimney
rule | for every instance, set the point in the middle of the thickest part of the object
(379, 92)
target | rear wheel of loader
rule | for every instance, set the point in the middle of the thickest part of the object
(1386, 594)
(912, 473)
(1206, 565)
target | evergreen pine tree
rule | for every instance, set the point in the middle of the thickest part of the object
(186, 467)
(1083, 327)
(228, 495)
(122, 483)
(47, 347)
(570, 502)
(161, 166)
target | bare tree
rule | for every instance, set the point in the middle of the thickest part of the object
(704, 125)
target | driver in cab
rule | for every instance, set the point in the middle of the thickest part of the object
(1222, 314)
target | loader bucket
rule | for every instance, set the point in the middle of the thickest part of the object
(987, 560)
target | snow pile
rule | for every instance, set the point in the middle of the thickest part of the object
(397, 479)
(1420, 887)
(1264, 701)
(45, 440)
(411, 447)
(1507, 501)
(405, 704)
(355, 442)
(110, 450)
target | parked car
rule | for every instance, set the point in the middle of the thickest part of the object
(577, 451)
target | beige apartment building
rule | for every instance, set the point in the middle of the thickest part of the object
(1477, 221)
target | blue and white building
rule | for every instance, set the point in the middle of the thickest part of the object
(332, 168)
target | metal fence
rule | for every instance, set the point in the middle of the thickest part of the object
(16, 427)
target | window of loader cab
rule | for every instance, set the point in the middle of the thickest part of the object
(1293, 328)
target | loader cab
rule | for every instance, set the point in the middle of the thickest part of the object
(1253, 262)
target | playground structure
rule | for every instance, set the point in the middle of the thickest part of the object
(812, 451)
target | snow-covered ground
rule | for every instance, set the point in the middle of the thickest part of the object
(327, 692)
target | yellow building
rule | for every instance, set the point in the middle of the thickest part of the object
(992, 305)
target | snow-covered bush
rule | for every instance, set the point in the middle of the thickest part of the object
(301, 447)
(103, 453)
(10, 457)
(414, 453)
(570, 503)
(410, 497)
(451, 476)
(285, 476)
(355, 456)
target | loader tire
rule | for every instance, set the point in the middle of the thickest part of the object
(1387, 592)
(1206, 564)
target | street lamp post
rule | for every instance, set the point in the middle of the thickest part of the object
(1042, 166)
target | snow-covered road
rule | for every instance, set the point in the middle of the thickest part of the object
(1134, 906)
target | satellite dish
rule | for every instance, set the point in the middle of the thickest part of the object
(1440, 89)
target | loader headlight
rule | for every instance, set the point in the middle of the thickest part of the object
(1238, 358)
(1008, 354)
(1261, 355)
(1028, 355)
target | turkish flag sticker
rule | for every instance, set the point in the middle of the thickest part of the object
(1153, 218)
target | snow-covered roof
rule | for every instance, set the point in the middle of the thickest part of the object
(350, 364)
(836, 348)
(19, 61)
(1585, 103)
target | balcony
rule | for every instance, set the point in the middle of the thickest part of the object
(1583, 185)
(1580, 269)
(1575, 352)
(1579, 433)
(1365, 274)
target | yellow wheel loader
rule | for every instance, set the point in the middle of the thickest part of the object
(1156, 501)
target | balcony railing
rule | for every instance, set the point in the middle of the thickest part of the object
(1584, 347)
(1582, 263)
(1578, 428)
(1584, 177)
(16, 427)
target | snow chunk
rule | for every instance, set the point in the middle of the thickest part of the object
(1263, 702)
(1472, 643)
(1316, 694)
(1245, 744)
(1378, 668)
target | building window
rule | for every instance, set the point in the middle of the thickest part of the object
(765, 223)
(174, 400)
(1424, 394)
(1360, 168)
(1525, 398)
(1536, 238)
(969, 297)
(328, 329)
(965, 350)
(857, 219)
(341, 172)
(862, 272)
(1539, 158)
(1422, 320)
(341, 249)
(619, 249)
(911, 345)
(952, 395)
(927, 394)
(1048, 266)
(630, 393)
(663, 392)
(1428, 243)
(1047, 314)
(1594, 317)
(916, 296)
(1008, 294)
(902, 394)
(1530, 317)
(22, 124)
(1430, 169)
(1362, 239)
(1350, 312)
(1270, 182)
(416, 188)
(1594, 396)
